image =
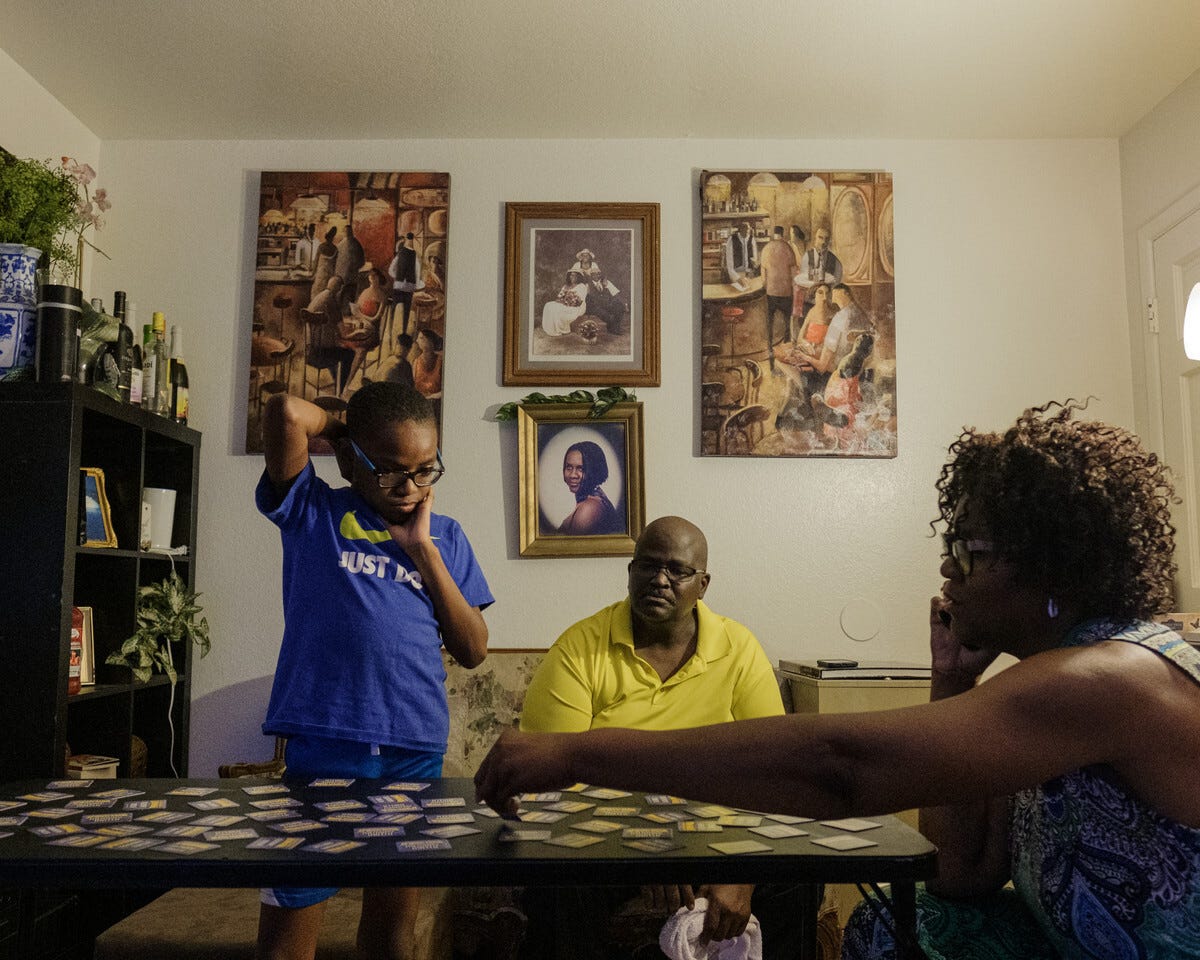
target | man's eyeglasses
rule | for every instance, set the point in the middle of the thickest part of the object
(963, 552)
(676, 572)
(422, 476)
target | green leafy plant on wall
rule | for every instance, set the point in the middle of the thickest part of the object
(601, 402)
(166, 614)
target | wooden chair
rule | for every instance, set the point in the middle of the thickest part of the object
(744, 428)
(319, 358)
(281, 374)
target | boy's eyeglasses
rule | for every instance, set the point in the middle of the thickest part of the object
(963, 552)
(676, 572)
(422, 476)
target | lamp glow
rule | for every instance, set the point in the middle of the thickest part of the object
(1191, 325)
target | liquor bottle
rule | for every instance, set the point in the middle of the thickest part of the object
(179, 378)
(162, 370)
(149, 378)
(124, 347)
(135, 353)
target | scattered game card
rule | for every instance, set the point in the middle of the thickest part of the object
(421, 846)
(843, 842)
(270, 816)
(57, 830)
(387, 830)
(665, 816)
(298, 826)
(777, 831)
(569, 806)
(69, 784)
(597, 826)
(121, 793)
(275, 843)
(264, 789)
(217, 803)
(509, 835)
(853, 824)
(394, 801)
(397, 816)
(487, 812)
(219, 820)
(445, 819)
(740, 820)
(219, 836)
(574, 840)
(734, 847)
(652, 845)
(548, 797)
(539, 816)
(710, 810)
(191, 791)
(349, 816)
(333, 806)
(131, 843)
(331, 782)
(445, 833)
(79, 840)
(165, 816)
(186, 847)
(181, 830)
(45, 796)
(90, 804)
(15, 821)
(616, 811)
(575, 788)
(663, 800)
(606, 793)
(787, 818)
(276, 803)
(10, 804)
(335, 846)
(5, 833)
(698, 826)
(645, 833)
(122, 830)
(52, 813)
(96, 819)
(144, 805)
(434, 802)
(408, 786)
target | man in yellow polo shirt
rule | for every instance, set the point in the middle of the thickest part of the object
(658, 660)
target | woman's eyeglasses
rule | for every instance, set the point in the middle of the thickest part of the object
(387, 479)
(963, 552)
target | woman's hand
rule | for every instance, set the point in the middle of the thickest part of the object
(948, 657)
(520, 763)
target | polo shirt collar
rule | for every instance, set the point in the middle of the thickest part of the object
(712, 642)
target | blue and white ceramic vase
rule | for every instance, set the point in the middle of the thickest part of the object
(18, 306)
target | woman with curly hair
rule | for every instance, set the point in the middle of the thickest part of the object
(1071, 773)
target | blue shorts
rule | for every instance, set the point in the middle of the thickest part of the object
(309, 757)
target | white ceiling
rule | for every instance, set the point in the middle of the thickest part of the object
(382, 69)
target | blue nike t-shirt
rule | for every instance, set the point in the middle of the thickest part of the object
(361, 654)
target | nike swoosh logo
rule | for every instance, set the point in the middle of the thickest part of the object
(351, 529)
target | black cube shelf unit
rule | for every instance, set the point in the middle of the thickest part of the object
(50, 432)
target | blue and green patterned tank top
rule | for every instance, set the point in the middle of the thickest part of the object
(1106, 876)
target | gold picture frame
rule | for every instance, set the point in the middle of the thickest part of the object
(96, 528)
(565, 510)
(574, 319)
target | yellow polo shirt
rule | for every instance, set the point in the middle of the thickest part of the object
(592, 678)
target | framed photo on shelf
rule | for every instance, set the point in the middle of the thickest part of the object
(581, 480)
(96, 520)
(581, 294)
(87, 652)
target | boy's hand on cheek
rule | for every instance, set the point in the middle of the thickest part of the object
(414, 529)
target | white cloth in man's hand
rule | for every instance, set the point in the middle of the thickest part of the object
(680, 937)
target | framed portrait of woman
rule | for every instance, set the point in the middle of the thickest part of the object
(581, 294)
(581, 478)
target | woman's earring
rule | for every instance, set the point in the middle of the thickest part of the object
(1051, 608)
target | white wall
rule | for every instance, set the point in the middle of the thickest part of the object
(34, 124)
(1006, 297)
(1158, 166)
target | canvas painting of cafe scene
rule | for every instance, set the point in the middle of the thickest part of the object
(798, 325)
(349, 288)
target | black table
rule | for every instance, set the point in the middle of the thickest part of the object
(900, 856)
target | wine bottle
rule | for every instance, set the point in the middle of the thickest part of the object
(162, 370)
(179, 378)
(149, 396)
(124, 347)
(135, 353)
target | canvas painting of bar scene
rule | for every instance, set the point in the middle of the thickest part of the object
(349, 287)
(798, 321)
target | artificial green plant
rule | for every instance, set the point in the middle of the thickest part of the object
(166, 614)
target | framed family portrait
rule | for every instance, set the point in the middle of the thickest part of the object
(581, 478)
(96, 523)
(581, 294)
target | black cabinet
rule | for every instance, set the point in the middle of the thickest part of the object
(50, 432)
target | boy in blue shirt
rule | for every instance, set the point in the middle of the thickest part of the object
(374, 584)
